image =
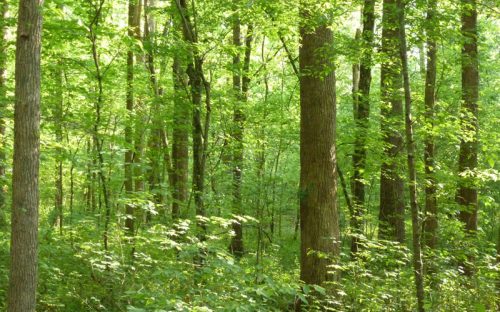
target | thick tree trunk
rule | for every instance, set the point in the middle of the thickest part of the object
(431, 221)
(467, 163)
(392, 207)
(361, 116)
(3, 103)
(412, 171)
(319, 220)
(25, 197)
(133, 33)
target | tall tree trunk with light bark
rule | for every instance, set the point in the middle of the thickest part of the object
(25, 196)
(319, 219)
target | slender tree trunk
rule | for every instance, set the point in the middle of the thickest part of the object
(180, 141)
(319, 220)
(154, 144)
(412, 171)
(361, 115)
(467, 163)
(240, 88)
(58, 124)
(431, 221)
(133, 33)
(25, 196)
(200, 129)
(98, 158)
(3, 103)
(392, 207)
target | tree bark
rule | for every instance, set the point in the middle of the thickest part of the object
(412, 171)
(180, 141)
(392, 208)
(319, 220)
(25, 196)
(3, 104)
(466, 196)
(361, 116)
(431, 221)
(133, 33)
(200, 129)
(240, 88)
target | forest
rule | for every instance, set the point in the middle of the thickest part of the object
(249, 155)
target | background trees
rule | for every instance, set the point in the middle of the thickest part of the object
(239, 126)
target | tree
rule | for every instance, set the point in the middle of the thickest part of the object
(392, 208)
(466, 196)
(197, 83)
(319, 227)
(431, 223)
(240, 88)
(134, 14)
(361, 115)
(3, 102)
(412, 171)
(25, 195)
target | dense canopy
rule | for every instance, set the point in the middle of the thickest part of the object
(249, 155)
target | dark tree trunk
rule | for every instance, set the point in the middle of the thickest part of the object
(3, 102)
(467, 163)
(180, 141)
(200, 129)
(392, 207)
(133, 33)
(97, 141)
(412, 171)
(319, 220)
(25, 197)
(431, 221)
(240, 88)
(361, 115)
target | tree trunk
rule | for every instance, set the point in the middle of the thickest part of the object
(25, 197)
(199, 128)
(133, 33)
(58, 125)
(155, 138)
(240, 88)
(3, 102)
(361, 116)
(98, 158)
(412, 171)
(180, 141)
(431, 222)
(392, 207)
(319, 220)
(467, 163)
